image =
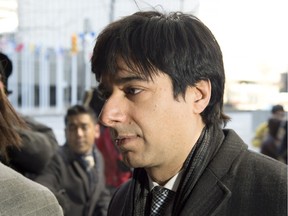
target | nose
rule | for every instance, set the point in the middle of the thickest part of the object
(79, 132)
(112, 112)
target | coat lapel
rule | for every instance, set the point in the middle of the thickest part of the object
(207, 197)
(83, 176)
(75, 162)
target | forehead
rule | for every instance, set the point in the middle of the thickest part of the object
(125, 71)
(79, 119)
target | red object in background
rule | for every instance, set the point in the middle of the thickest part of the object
(116, 173)
(19, 47)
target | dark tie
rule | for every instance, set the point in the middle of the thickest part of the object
(161, 197)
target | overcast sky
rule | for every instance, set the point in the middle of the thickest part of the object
(253, 35)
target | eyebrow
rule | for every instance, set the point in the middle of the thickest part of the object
(102, 87)
(122, 80)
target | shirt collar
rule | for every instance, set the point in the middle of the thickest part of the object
(172, 184)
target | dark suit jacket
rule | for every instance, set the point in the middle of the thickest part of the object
(236, 182)
(66, 177)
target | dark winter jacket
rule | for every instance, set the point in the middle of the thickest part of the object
(229, 180)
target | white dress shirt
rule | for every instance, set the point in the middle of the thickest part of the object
(172, 184)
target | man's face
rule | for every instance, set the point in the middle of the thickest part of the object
(279, 115)
(81, 132)
(150, 127)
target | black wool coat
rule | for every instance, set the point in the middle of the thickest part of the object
(235, 182)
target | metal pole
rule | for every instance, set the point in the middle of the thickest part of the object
(74, 79)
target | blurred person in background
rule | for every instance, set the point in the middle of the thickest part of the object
(271, 143)
(116, 172)
(162, 78)
(18, 194)
(76, 172)
(277, 112)
(283, 144)
(38, 141)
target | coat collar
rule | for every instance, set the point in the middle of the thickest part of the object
(212, 192)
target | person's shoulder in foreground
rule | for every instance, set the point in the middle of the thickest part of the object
(162, 78)
(22, 196)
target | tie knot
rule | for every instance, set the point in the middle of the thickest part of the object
(161, 191)
(161, 197)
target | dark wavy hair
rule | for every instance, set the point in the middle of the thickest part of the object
(177, 44)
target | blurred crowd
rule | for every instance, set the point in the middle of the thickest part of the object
(271, 136)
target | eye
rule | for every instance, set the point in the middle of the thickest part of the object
(84, 127)
(132, 91)
(72, 127)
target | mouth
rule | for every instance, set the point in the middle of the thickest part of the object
(120, 140)
(124, 140)
(80, 140)
(80, 143)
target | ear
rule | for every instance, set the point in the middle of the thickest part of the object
(202, 95)
(97, 131)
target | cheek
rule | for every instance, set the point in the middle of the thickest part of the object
(91, 139)
(156, 120)
(93, 134)
(168, 120)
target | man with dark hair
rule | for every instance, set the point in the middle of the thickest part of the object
(76, 173)
(162, 78)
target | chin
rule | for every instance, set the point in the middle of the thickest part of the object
(133, 163)
(81, 151)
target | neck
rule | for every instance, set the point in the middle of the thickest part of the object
(169, 168)
(161, 176)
